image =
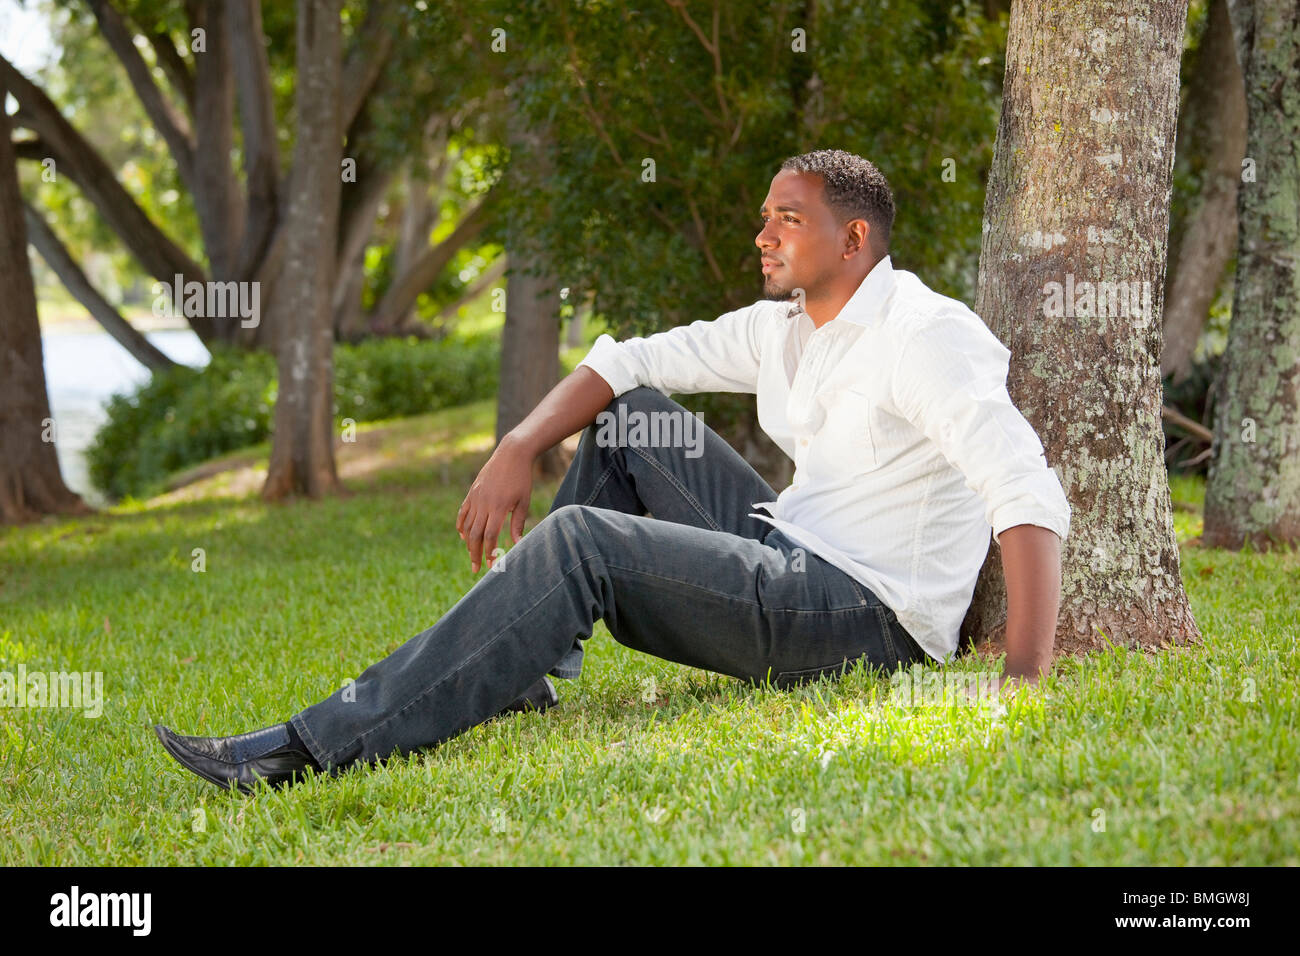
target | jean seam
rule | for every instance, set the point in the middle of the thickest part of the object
(841, 667)
(822, 668)
(856, 609)
(685, 492)
(309, 740)
(600, 483)
(443, 679)
(887, 632)
(688, 584)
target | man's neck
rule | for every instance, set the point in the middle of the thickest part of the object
(824, 308)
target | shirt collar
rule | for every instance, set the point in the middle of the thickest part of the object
(864, 305)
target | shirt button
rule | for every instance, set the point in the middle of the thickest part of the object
(803, 441)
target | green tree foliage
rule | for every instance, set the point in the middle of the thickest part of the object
(716, 96)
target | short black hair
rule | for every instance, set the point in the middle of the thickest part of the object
(855, 189)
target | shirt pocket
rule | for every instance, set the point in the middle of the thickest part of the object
(848, 434)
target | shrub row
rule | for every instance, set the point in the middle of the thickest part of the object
(184, 416)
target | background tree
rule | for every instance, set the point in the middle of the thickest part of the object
(215, 100)
(530, 339)
(1079, 192)
(670, 120)
(1210, 145)
(30, 482)
(302, 449)
(1253, 490)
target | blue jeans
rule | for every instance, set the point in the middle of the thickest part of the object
(656, 542)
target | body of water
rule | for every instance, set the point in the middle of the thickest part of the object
(84, 367)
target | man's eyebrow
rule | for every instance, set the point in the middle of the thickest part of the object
(782, 209)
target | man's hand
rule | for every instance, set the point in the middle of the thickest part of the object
(1004, 688)
(504, 485)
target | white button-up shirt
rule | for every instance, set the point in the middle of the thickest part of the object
(907, 448)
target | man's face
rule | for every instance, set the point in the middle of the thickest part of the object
(800, 244)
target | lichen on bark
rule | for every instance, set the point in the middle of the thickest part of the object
(1084, 155)
(1253, 489)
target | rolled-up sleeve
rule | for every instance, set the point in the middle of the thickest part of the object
(950, 381)
(714, 355)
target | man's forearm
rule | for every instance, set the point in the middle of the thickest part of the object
(1031, 564)
(570, 406)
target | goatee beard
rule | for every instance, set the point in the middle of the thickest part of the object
(776, 293)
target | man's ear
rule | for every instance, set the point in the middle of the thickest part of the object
(858, 238)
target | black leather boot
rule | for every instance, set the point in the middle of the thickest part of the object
(241, 760)
(540, 696)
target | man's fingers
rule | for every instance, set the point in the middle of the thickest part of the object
(466, 520)
(492, 537)
(517, 523)
(475, 543)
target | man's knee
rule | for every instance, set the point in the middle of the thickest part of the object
(587, 527)
(565, 520)
(641, 397)
(646, 417)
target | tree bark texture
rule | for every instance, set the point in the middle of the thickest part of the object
(30, 482)
(302, 450)
(1253, 489)
(530, 340)
(1079, 193)
(1212, 133)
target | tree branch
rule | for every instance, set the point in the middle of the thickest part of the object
(216, 192)
(592, 113)
(173, 65)
(714, 49)
(173, 127)
(475, 289)
(33, 149)
(56, 256)
(257, 120)
(366, 58)
(1190, 425)
(77, 159)
(426, 268)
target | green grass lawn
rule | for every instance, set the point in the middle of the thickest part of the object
(1186, 756)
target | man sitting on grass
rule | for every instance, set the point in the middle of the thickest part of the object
(891, 400)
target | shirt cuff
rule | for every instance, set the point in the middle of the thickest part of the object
(1046, 506)
(607, 360)
(1037, 518)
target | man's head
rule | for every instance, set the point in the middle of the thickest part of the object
(826, 221)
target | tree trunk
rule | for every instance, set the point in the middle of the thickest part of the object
(30, 482)
(1253, 489)
(216, 194)
(357, 212)
(577, 323)
(530, 356)
(349, 289)
(257, 121)
(1079, 193)
(302, 451)
(1212, 131)
(413, 232)
(530, 340)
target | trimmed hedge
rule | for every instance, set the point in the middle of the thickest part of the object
(184, 416)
